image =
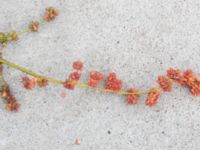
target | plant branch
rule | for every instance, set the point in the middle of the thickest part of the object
(80, 85)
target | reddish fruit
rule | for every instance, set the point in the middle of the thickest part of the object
(28, 83)
(193, 82)
(50, 14)
(95, 78)
(195, 90)
(42, 82)
(34, 26)
(78, 65)
(112, 76)
(74, 76)
(69, 84)
(152, 97)
(176, 75)
(132, 98)
(113, 83)
(95, 75)
(92, 83)
(165, 83)
(12, 106)
(189, 77)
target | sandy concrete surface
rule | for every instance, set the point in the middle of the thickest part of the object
(137, 39)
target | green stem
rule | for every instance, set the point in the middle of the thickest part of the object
(28, 71)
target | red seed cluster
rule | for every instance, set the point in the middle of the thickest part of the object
(95, 78)
(12, 104)
(186, 79)
(29, 84)
(69, 84)
(113, 83)
(74, 76)
(42, 82)
(176, 75)
(50, 14)
(189, 78)
(132, 98)
(193, 82)
(165, 83)
(152, 97)
(72, 80)
(78, 65)
(34, 26)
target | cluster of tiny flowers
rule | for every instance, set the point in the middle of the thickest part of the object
(152, 97)
(165, 83)
(30, 83)
(192, 82)
(113, 83)
(74, 76)
(50, 14)
(11, 102)
(133, 98)
(176, 75)
(186, 79)
(34, 26)
(95, 78)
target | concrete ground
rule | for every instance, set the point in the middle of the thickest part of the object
(137, 39)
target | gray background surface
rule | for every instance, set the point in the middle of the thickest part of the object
(137, 39)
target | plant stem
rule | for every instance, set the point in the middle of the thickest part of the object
(80, 85)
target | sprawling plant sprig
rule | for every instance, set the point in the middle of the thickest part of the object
(114, 85)
(5, 38)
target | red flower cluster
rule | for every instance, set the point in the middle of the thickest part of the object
(34, 26)
(152, 97)
(42, 82)
(95, 78)
(165, 83)
(133, 98)
(78, 65)
(113, 83)
(50, 14)
(12, 104)
(192, 81)
(176, 75)
(186, 79)
(72, 80)
(29, 84)
(74, 76)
